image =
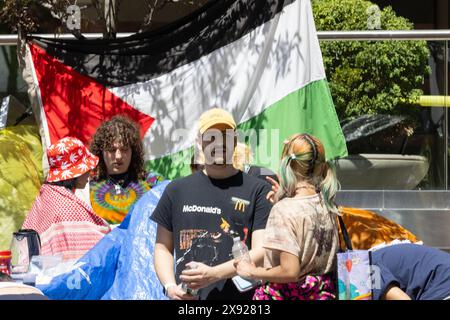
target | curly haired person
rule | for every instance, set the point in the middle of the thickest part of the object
(120, 178)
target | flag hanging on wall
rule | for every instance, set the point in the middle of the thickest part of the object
(260, 60)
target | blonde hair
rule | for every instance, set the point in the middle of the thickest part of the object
(197, 158)
(242, 156)
(303, 159)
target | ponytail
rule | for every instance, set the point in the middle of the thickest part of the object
(329, 186)
(289, 177)
(304, 160)
(288, 180)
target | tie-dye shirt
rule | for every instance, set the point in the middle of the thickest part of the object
(113, 204)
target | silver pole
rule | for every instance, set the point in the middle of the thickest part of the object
(11, 39)
(384, 35)
(446, 156)
(377, 35)
(110, 17)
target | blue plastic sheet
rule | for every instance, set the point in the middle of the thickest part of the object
(120, 266)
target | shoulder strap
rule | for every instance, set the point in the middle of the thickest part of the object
(347, 241)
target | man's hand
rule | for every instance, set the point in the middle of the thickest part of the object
(245, 269)
(176, 293)
(199, 276)
(275, 186)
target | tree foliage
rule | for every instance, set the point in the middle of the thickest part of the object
(26, 16)
(370, 77)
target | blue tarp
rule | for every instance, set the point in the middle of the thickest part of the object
(120, 266)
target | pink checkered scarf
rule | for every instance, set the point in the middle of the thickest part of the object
(65, 223)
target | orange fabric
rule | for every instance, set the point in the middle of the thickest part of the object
(367, 229)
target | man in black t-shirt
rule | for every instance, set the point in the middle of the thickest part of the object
(198, 216)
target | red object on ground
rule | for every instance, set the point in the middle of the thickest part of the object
(5, 262)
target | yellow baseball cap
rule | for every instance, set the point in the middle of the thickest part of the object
(214, 117)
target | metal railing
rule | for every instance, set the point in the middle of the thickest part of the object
(11, 39)
(372, 35)
(430, 35)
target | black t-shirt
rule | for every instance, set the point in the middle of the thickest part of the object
(205, 214)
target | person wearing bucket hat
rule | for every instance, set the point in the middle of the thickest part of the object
(66, 224)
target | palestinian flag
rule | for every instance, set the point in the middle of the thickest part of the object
(260, 60)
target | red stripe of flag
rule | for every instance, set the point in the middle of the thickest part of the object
(75, 105)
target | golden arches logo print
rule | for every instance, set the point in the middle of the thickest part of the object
(239, 204)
